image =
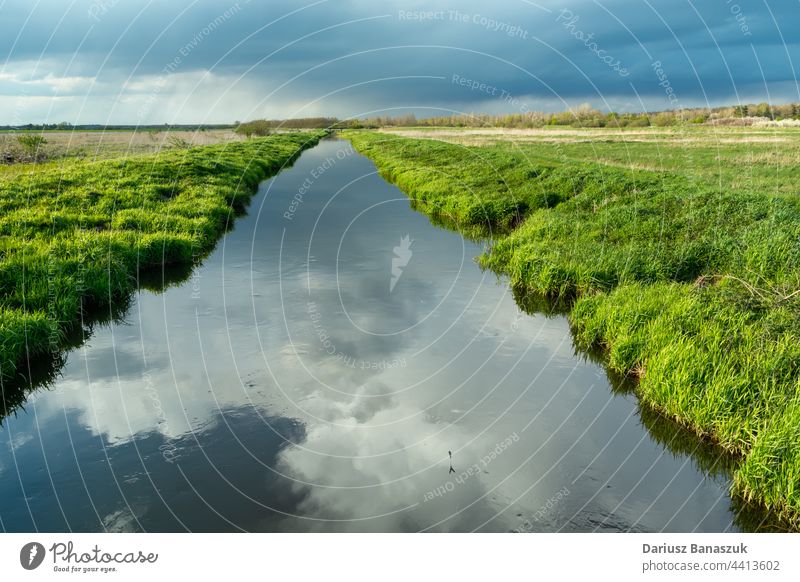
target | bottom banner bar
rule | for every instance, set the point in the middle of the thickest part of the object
(354, 557)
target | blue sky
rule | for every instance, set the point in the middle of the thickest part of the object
(179, 61)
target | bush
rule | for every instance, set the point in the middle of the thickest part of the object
(31, 144)
(259, 127)
(664, 120)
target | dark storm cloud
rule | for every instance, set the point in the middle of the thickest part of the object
(123, 60)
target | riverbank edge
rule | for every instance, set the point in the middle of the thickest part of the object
(41, 338)
(788, 516)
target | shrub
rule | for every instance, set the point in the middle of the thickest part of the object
(31, 144)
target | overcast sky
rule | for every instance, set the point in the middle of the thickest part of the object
(216, 61)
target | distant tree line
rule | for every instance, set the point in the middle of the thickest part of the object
(63, 126)
(583, 116)
(586, 116)
(66, 126)
(261, 127)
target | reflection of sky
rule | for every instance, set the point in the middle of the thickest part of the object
(271, 431)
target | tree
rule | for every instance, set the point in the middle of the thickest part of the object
(763, 110)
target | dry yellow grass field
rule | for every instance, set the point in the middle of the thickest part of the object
(756, 159)
(111, 144)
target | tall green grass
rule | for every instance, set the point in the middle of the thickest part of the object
(486, 190)
(690, 290)
(74, 238)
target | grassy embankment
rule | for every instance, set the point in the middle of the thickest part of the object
(74, 237)
(689, 285)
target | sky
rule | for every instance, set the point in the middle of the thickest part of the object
(220, 61)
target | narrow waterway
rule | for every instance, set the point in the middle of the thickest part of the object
(315, 373)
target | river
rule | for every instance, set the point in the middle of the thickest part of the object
(317, 371)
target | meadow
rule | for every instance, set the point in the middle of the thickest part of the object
(77, 237)
(97, 145)
(676, 250)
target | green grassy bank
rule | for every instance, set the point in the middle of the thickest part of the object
(688, 288)
(74, 237)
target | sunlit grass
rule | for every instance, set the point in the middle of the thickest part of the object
(689, 285)
(75, 236)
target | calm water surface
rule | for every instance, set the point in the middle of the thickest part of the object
(314, 373)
